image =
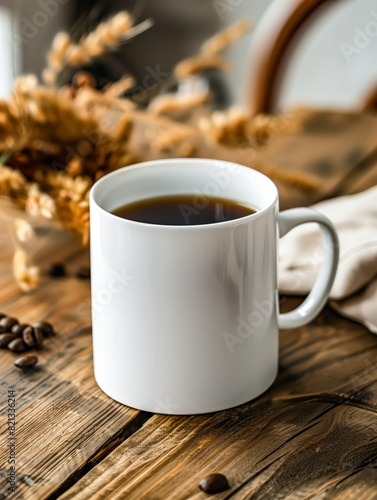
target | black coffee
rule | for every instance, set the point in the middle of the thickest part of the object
(183, 210)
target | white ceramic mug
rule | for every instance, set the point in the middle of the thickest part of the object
(185, 318)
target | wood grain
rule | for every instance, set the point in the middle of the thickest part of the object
(313, 433)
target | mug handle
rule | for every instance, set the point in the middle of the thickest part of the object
(318, 295)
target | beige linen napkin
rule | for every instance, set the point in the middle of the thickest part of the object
(354, 293)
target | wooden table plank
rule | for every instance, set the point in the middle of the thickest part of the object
(64, 421)
(314, 432)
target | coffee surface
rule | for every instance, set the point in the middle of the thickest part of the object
(183, 210)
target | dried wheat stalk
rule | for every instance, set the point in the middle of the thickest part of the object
(54, 143)
(107, 36)
(210, 56)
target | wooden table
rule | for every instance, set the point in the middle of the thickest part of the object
(312, 435)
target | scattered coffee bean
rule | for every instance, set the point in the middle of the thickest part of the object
(83, 272)
(18, 328)
(33, 336)
(6, 338)
(26, 361)
(19, 337)
(17, 345)
(6, 323)
(47, 328)
(214, 483)
(56, 270)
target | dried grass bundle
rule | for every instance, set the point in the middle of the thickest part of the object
(26, 274)
(169, 104)
(234, 127)
(210, 56)
(12, 183)
(54, 143)
(117, 89)
(107, 36)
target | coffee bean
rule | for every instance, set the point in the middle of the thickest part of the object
(83, 272)
(33, 337)
(17, 345)
(17, 329)
(6, 338)
(47, 328)
(214, 483)
(6, 323)
(26, 361)
(56, 270)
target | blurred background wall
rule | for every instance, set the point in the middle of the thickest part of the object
(322, 69)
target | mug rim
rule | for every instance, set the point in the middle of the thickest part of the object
(153, 163)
